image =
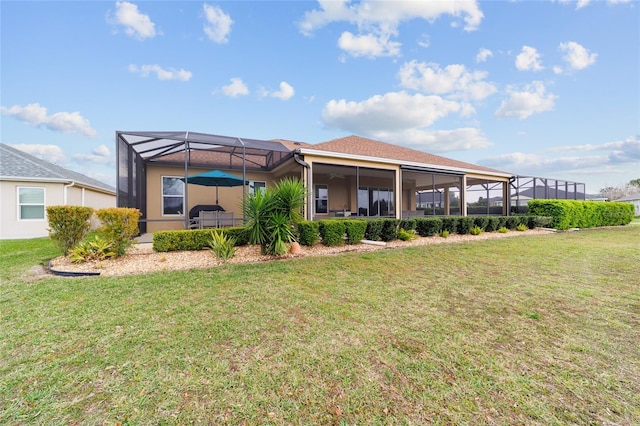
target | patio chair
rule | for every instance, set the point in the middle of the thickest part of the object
(225, 219)
(207, 219)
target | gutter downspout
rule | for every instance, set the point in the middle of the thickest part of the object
(64, 193)
(296, 157)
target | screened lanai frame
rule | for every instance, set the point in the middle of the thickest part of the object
(525, 188)
(136, 149)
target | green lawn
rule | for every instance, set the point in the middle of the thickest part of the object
(529, 330)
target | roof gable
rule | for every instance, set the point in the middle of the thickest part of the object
(356, 145)
(16, 164)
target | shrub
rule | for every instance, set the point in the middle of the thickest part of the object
(464, 225)
(428, 226)
(68, 225)
(94, 249)
(522, 227)
(502, 222)
(568, 214)
(332, 232)
(450, 224)
(195, 239)
(503, 230)
(374, 229)
(481, 222)
(492, 223)
(406, 235)
(222, 245)
(389, 229)
(119, 225)
(512, 222)
(408, 224)
(444, 233)
(476, 230)
(355, 230)
(308, 232)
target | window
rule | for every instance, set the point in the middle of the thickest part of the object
(375, 202)
(256, 185)
(30, 203)
(172, 196)
(321, 196)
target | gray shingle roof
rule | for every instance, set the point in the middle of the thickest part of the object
(16, 164)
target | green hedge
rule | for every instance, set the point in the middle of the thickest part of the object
(389, 229)
(194, 239)
(374, 229)
(332, 232)
(408, 224)
(308, 232)
(355, 230)
(428, 226)
(568, 214)
(492, 223)
(464, 225)
(450, 224)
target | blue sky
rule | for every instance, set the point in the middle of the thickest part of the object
(538, 88)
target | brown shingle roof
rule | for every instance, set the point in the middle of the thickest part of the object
(356, 145)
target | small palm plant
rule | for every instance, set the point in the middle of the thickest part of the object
(273, 214)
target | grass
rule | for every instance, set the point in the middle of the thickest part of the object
(529, 330)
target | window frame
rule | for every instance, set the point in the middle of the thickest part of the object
(252, 188)
(20, 205)
(317, 198)
(162, 196)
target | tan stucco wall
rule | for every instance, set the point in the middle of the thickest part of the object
(13, 228)
(229, 198)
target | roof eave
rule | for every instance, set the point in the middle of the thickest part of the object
(56, 180)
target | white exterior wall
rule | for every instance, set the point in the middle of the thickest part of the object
(11, 227)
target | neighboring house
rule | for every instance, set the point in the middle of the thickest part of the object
(633, 199)
(28, 185)
(351, 176)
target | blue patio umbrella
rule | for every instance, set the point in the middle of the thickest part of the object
(215, 178)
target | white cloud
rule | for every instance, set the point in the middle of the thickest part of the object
(537, 164)
(235, 88)
(531, 100)
(437, 140)
(378, 21)
(368, 45)
(286, 91)
(161, 73)
(51, 153)
(218, 25)
(454, 80)
(483, 55)
(583, 3)
(424, 41)
(99, 155)
(528, 60)
(36, 115)
(136, 24)
(626, 151)
(391, 112)
(588, 160)
(575, 56)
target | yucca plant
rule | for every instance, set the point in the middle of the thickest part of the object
(222, 245)
(259, 207)
(273, 213)
(290, 195)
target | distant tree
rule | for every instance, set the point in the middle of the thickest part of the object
(617, 192)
